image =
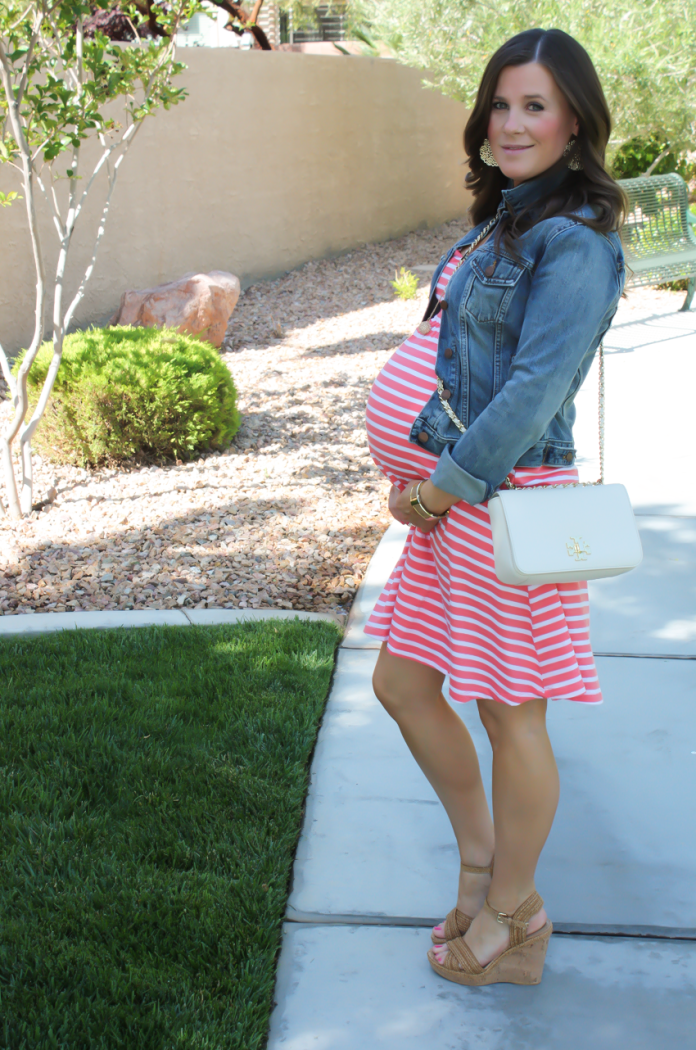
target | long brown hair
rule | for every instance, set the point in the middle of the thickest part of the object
(572, 69)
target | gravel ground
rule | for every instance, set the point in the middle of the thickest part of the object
(291, 513)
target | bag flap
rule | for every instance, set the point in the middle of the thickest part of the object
(553, 528)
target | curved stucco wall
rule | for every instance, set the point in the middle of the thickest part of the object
(274, 159)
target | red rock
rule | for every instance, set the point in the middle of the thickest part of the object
(197, 304)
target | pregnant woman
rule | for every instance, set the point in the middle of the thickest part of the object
(481, 395)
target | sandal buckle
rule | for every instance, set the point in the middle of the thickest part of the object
(501, 917)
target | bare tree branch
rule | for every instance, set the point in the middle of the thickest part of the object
(100, 233)
(24, 78)
(236, 11)
(657, 160)
(52, 202)
(21, 401)
(7, 372)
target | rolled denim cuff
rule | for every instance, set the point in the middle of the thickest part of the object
(458, 482)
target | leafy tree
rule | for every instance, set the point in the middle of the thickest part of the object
(644, 51)
(60, 88)
(112, 21)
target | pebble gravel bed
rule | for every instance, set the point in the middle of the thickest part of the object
(289, 515)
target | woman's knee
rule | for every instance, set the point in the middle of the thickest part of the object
(381, 684)
(390, 691)
(504, 722)
(401, 688)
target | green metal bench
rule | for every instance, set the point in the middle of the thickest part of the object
(658, 235)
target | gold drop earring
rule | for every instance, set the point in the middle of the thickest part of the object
(575, 164)
(486, 155)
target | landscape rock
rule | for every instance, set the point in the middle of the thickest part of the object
(197, 304)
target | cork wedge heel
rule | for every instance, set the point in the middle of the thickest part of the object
(521, 963)
(458, 922)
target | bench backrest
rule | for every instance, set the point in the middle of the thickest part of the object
(657, 226)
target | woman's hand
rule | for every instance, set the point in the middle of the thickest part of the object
(394, 494)
(401, 509)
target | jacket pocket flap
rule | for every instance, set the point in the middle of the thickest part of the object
(492, 270)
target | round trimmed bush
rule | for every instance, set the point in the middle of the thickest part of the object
(126, 392)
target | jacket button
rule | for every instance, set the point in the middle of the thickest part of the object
(447, 394)
(423, 436)
(444, 305)
(490, 270)
(568, 457)
(448, 352)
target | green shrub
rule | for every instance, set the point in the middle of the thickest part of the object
(126, 392)
(405, 284)
(635, 157)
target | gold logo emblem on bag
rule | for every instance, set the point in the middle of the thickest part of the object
(578, 549)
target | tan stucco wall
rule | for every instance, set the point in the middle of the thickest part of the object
(274, 159)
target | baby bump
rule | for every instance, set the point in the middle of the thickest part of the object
(397, 396)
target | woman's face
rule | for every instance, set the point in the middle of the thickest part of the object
(530, 123)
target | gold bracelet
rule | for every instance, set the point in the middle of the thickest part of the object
(419, 508)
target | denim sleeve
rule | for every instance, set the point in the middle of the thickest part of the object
(573, 297)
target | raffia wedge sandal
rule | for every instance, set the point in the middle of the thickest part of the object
(458, 922)
(521, 963)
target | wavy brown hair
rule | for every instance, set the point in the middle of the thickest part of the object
(572, 69)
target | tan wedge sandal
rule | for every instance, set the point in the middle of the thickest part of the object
(521, 963)
(458, 922)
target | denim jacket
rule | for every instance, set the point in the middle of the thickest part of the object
(517, 339)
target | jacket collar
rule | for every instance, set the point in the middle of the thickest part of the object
(527, 193)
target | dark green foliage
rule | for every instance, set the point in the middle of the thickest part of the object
(635, 157)
(124, 392)
(151, 792)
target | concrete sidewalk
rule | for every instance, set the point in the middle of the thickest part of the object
(377, 863)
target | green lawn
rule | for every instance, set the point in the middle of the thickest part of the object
(151, 793)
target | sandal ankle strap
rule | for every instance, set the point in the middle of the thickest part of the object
(519, 920)
(474, 870)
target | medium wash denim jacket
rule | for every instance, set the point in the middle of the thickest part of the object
(517, 339)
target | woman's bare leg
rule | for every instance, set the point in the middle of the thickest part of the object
(439, 741)
(525, 797)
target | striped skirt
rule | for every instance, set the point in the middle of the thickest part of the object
(443, 605)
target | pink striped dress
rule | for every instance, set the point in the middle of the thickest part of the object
(443, 605)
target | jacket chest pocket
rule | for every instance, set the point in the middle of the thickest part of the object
(492, 287)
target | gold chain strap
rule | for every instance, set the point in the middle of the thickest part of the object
(446, 405)
(600, 408)
(440, 385)
(475, 243)
(600, 422)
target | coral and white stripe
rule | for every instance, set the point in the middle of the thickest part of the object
(443, 605)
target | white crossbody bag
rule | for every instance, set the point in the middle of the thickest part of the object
(562, 533)
(556, 533)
